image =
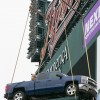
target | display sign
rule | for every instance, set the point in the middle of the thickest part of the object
(92, 22)
(58, 16)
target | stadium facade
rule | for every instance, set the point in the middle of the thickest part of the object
(63, 36)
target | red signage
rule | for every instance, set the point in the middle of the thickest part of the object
(58, 16)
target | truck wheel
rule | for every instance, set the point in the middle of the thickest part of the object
(19, 95)
(71, 90)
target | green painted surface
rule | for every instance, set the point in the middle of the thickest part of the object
(75, 45)
(76, 50)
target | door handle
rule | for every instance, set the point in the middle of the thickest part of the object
(38, 82)
(49, 80)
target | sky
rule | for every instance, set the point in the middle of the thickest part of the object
(13, 14)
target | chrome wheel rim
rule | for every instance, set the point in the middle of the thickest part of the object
(18, 96)
(71, 90)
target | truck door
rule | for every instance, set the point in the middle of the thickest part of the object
(55, 84)
(40, 84)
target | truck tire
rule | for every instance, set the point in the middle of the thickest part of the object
(71, 90)
(19, 95)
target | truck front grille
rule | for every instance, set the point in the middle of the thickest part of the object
(92, 82)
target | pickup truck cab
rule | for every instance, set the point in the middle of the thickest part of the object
(48, 83)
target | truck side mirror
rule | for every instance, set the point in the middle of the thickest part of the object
(59, 76)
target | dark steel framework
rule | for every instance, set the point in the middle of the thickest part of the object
(37, 28)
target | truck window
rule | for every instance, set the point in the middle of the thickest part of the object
(42, 76)
(53, 76)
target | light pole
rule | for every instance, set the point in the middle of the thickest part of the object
(98, 95)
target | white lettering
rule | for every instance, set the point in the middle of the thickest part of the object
(87, 27)
(92, 23)
(99, 12)
(96, 16)
(66, 54)
(59, 61)
(63, 57)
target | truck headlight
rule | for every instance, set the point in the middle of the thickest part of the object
(84, 79)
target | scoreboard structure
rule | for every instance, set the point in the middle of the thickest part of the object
(63, 36)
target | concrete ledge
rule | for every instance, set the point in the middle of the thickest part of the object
(62, 98)
(66, 98)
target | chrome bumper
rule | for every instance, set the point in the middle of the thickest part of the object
(87, 87)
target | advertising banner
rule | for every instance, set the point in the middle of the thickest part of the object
(92, 22)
